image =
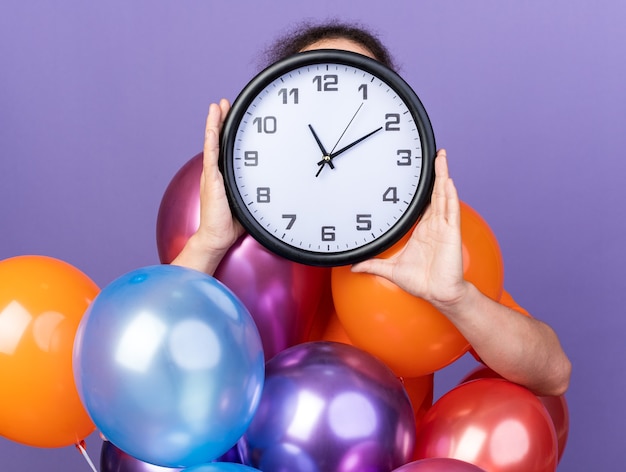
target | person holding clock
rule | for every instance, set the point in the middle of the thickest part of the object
(520, 348)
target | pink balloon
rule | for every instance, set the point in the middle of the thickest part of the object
(179, 213)
(282, 296)
(439, 464)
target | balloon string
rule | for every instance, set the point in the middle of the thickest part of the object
(81, 448)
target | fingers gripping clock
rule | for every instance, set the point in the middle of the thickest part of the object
(274, 155)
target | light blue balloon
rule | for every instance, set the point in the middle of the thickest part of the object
(221, 467)
(169, 365)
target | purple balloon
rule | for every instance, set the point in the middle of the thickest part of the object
(439, 464)
(282, 296)
(179, 212)
(113, 459)
(329, 407)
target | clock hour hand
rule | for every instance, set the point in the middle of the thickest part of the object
(325, 154)
(345, 148)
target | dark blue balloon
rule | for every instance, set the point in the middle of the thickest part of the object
(169, 365)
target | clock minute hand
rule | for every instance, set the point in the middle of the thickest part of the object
(352, 144)
(327, 157)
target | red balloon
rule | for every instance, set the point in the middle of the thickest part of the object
(325, 311)
(421, 393)
(493, 424)
(334, 330)
(439, 464)
(481, 372)
(555, 405)
(179, 212)
(559, 412)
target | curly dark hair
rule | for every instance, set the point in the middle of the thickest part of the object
(305, 34)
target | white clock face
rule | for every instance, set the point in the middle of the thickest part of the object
(327, 158)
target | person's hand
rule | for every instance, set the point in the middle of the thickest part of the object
(218, 229)
(430, 266)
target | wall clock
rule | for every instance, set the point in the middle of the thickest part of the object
(327, 157)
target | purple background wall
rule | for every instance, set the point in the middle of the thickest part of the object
(102, 102)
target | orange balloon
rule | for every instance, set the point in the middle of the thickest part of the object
(42, 301)
(407, 333)
(482, 259)
(507, 300)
